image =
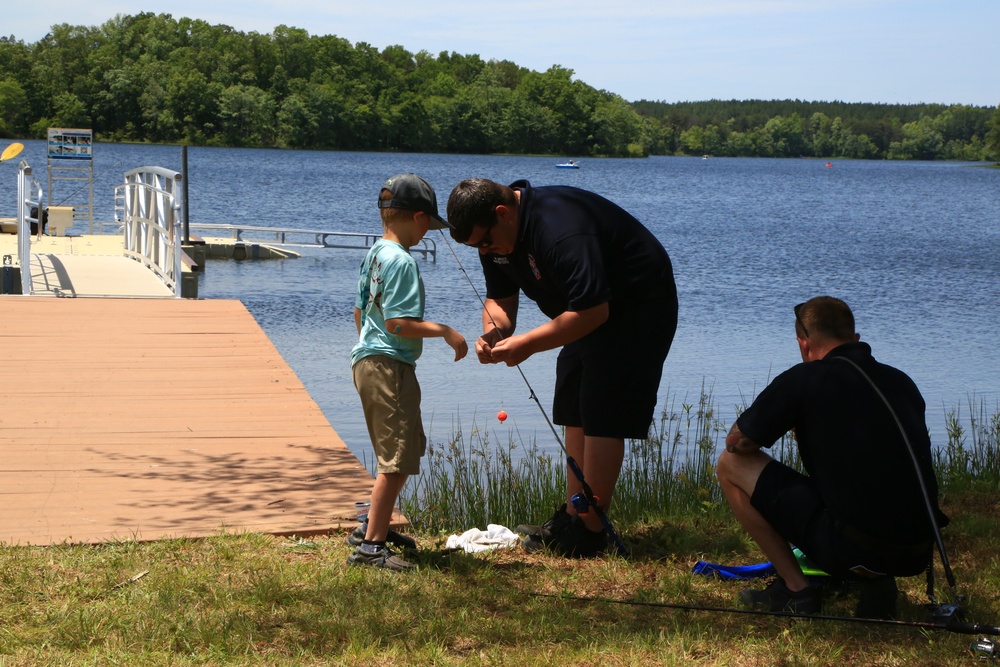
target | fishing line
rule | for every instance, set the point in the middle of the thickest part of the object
(589, 499)
(531, 389)
(949, 623)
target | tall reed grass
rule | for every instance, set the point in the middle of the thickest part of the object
(972, 454)
(479, 478)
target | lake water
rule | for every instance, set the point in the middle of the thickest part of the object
(912, 247)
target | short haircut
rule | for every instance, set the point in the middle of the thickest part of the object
(393, 214)
(473, 203)
(827, 317)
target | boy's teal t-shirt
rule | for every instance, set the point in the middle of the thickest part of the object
(389, 286)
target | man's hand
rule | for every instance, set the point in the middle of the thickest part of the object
(512, 351)
(737, 443)
(485, 344)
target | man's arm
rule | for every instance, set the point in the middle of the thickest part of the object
(560, 330)
(737, 443)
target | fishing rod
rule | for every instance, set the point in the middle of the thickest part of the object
(935, 528)
(582, 502)
(948, 622)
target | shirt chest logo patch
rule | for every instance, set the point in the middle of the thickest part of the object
(534, 267)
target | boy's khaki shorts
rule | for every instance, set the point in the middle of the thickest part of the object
(390, 397)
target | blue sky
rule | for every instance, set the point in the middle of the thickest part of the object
(886, 51)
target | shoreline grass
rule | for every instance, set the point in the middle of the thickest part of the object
(253, 599)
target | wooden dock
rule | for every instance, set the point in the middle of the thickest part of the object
(144, 419)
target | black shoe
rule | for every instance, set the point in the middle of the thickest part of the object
(382, 558)
(777, 597)
(554, 525)
(877, 598)
(575, 540)
(392, 537)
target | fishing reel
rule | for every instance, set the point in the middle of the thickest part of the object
(984, 648)
(581, 504)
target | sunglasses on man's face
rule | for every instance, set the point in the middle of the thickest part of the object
(486, 241)
(799, 319)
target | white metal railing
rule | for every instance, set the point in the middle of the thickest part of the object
(307, 238)
(29, 198)
(147, 207)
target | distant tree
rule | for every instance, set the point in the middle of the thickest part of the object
(618, 130)
(701, 141)
(922, 140)
(298, 123)
(993, 137)
(856, 146)
(151, 77)
(247, 116)
(786, 136)
(13, 107)
(821, 135)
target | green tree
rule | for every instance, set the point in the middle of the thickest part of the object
(150, 77)
(856, 146)
(785, 136)
(618, 130)
(922, 140)
(821, 136)
(13, 105)
(193, 101)
(701, 141)
(246, 116)
(993, 137)
(525, 126)
(298, 123)
(570, 105)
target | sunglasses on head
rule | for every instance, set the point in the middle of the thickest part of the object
(799, 319)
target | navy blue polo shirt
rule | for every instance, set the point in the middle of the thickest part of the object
(849, 443)
(577, 250)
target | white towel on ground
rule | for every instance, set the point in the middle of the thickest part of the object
(475, 541)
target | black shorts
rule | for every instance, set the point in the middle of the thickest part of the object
(791, 503)
(607, 381)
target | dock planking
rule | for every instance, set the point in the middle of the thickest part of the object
(147, 419)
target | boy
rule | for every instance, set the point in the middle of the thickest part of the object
(388, 313)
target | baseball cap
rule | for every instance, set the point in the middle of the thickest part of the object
(411, 192)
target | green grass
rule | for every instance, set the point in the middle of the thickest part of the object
(253, 599)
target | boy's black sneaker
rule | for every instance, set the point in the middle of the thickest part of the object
(552, 526)
(777, 597)
(877, 598)
(382, 557)
(392, 537)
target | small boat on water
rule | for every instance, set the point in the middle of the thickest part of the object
(568, 165)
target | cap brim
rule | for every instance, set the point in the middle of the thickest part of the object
(439, 223)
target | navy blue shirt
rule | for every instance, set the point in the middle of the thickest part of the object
(849, 443)
(577, 250)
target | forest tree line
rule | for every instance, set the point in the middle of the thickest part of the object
(152, 78)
